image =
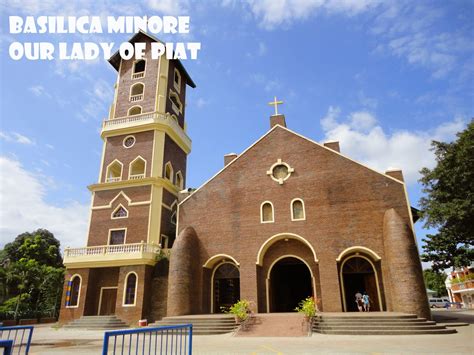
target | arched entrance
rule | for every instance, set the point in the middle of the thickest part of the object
(225, 286)
(290, 282)
(358, 274)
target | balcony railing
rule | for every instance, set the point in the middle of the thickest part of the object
(137, 176)
(463, 286)
(138, 75)
(147, 118)
(134, 98)
(113, 179)
(104, 254)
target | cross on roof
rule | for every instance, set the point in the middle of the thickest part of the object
(275, 103)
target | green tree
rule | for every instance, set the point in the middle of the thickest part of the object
(435, 281)
(449, 203)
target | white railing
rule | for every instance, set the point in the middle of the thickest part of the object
(112, 249)
(138, 75)
(113, 179)
(137, 176)
(134, 98)
(146, 118)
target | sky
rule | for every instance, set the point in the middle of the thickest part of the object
(383, 78)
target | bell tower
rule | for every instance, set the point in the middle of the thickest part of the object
(134, 202)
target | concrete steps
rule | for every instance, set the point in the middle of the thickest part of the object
(97, 323)
(275, 325)
(206, 324)
(377, 323)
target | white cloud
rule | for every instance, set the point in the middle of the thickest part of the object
(23, 207)
(169, 7)
(262, 49)
(17, 138)
(39, 90)
(200, 103)
(362, 138)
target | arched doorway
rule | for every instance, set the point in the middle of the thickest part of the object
(290, 282)
(359, 275)
(226, 286)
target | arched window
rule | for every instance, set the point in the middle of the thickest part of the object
(169, 171)
(136, 92)
(74, 291)
(139, 69)
(266, 212)
(176, 104)
(120, 212)
(137, 169)
(114, 171)
(135, 110)
(130, 291)
(297, 210)
(177, 80)
(179, 180)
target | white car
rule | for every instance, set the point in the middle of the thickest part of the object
(438, 302)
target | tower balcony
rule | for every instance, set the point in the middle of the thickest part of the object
(145, 121)
(113, 255)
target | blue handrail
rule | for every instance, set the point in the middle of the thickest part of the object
(7, 345)
(172, 339)
(17, 335)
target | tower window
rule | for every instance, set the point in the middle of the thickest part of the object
(176, 104)
(135, 110)
(120, 212)
(179, 180)
(169, 171)
(130, 289)
(129, 141)
(74, 291)
(266, 213)
(173, 218)
(139, 69)
(177, 80)
(137, 169)
(136, 92)
(117, 237)
(114, 171)
(297, 210)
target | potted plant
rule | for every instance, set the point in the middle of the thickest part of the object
(308, 307)
(240, 310)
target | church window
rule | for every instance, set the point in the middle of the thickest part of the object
(179, 180)
(130, 289)
(114, 171)
(164, 240)
(280, 171)
(266, 213)
(120, 212)
(176, 104)
(177, 80)
(129, 141)
(297, 210)
(74, 291)
(135, 110)
(139, 69)
(136, 92)
(137, 168)
(169, 171)
(117, 237)
(173, 218)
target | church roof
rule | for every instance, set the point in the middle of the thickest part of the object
(114, 60)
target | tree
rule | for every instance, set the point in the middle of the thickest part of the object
(435, 281)
(449, 203)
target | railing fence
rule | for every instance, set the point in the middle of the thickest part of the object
(166, 340)
(20, 337)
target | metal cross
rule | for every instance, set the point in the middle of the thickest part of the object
(275, 103)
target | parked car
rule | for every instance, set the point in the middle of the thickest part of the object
(438, 302)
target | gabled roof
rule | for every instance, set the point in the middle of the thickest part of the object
(114, 60)
(296, 134)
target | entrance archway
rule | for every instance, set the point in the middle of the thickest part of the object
(225, 286)
(290, 282)
(358, 275)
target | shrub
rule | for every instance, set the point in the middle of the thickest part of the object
(241, 310)
(308, 307)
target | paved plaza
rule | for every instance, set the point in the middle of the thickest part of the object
(47, 340)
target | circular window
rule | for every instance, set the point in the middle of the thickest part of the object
(129, 141)
(280, 172)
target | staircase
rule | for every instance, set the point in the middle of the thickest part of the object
(275, 325)
(203, 324)
(96, 322)
(376, 323)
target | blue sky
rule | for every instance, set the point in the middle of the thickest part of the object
(383, 78)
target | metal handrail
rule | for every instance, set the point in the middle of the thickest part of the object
(17, 335)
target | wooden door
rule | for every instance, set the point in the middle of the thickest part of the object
(107, 303)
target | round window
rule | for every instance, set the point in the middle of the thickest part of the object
(280, 171)
(129, 141)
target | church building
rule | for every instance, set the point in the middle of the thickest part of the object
(286, 219)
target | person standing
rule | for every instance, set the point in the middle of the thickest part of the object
(366, 300)
(359, 301)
